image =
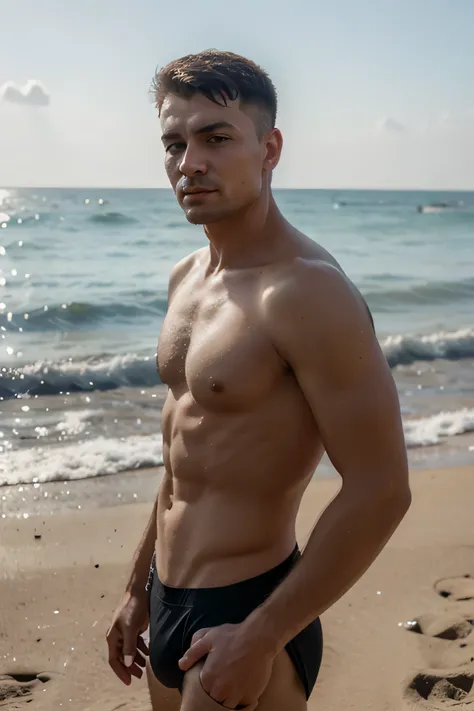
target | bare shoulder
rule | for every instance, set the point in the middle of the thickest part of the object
(181, 270)
(311, 286)
(311, 308)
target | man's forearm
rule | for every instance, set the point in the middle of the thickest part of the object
(143, 556)
(346, 540)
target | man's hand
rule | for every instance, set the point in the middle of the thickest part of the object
(237, 668)
(127, 650)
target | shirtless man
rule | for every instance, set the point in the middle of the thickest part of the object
(270, 359)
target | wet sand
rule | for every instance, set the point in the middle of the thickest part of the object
(63, 572)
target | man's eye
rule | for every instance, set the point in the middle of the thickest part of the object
(218, 139)
(174, 148)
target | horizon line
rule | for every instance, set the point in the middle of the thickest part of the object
(328, 189)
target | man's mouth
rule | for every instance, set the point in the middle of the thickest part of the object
(197, 191)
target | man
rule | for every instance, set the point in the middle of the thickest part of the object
(270, 358)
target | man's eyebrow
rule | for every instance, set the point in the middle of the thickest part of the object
(208, 128)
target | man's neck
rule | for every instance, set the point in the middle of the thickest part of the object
(250, 239)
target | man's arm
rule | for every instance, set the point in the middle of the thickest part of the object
(130, 620)
(321, 328)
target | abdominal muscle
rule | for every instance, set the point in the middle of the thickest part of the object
(232, 486)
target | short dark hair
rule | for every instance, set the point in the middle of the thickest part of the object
(221, 77)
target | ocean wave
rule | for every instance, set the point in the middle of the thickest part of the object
(404, 349)
(66, 317)
(112, 218)
(107, 372)
(81, 460)
(441, 292)
(102, 456)
(98, 373)
(431, 430)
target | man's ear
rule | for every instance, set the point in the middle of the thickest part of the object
(273, 147)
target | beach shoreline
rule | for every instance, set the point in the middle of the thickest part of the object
(140, 485)
(64, 572)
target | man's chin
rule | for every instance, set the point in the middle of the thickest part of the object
(194, 218)
(200, 217)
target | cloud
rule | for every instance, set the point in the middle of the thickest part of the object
(33, 93)
(391, 125)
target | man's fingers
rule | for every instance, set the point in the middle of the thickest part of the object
(122, 673)
(129, 647)
(140, 660)
(136, 671)
(115, 654)
(199, 635)
(142, 646)
(195, 653)
(234, 702)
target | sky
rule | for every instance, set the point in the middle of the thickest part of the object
(372, 94)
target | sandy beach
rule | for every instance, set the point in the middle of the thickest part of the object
(63, 572)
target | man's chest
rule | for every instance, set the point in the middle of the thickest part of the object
(214, 345)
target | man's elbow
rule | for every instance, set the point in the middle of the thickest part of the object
(396, 502)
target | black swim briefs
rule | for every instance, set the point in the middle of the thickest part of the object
(177, 613)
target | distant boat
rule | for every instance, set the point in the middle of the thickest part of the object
(435, 207)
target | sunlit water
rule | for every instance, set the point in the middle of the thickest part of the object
(83, 278)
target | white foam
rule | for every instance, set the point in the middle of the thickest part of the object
(430, 430)
(74, 421)
(81, 460)
(100, 456)
(405, 349)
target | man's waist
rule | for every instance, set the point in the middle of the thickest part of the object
(218, 558)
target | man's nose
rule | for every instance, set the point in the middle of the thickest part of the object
(193, 162)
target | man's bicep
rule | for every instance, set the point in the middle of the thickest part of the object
(324, 331)
(359, 422)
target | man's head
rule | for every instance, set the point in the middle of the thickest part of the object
(218, 113)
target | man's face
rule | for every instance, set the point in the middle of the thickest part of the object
(213, 157)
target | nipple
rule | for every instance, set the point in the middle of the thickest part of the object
(217, 387)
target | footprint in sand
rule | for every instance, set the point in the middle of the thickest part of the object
(447, 640)
(456, 589)
(443, 691)
(451, 626)
(16, 689)
(448, 644)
